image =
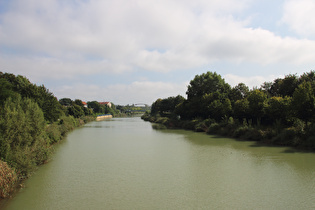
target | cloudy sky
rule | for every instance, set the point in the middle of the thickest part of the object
(135, 51)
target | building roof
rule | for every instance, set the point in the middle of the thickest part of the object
(106, 103)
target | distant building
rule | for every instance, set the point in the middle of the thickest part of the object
(84, 104)
(106, 103)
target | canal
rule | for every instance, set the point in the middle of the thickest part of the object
(123, 163)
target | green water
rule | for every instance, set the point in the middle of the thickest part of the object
(123, 163)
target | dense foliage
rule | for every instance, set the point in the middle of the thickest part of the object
(31, 120)
(12, 85)
(280, 112)
(130, 110)
(8, 179)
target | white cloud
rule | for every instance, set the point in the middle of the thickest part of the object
(39, 68)
(125, 35)
(55, 39)
(299, 15)
(251, 82)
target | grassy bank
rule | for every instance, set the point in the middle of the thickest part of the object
(299, 135)
(23, 161)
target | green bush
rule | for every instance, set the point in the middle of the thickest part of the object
(8, 179)
(188, 125)
(87, 119)
(309, 141)
(159, 126)
(254, 134)
(201, 127)
(288, 137)
(22, 129)
(67, 124)
(54, 133)
(163, 120)
(214, 128)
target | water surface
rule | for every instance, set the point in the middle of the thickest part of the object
(123, 163)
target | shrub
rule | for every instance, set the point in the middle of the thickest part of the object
(87, 119)
(254, 134)
(201, 127)
(309, 141)
(162, 120)
(214, 128)
(159, 126)
(8, 179)
(287, 137)
(67, 124)
(240, 131)
(53, 133)
(188, 125)
(22, 128)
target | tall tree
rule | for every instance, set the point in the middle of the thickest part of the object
(278, 108)
(303, 102)
(76, 111)
(238, 92)
(65, 101)
(97, 108)
(203, 90)
(23, 142)
(40, 94)
(156, 107)
(206, 83)
(284, 87)
(6, 90)
(78, 102)
(257, 101)
(241, 109)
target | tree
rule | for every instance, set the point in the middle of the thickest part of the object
(238, 92)
(76, 111)
(49, 104)
(6, 90)
(65, 102)
(87, 111)
(278, 108)
(23, 142)
(241, 109)
(156, 107)
(97, 108)
(266, 87)
(308, 77)
(78, 102)
(220, 108)
(40, 94)
(256, 101)
(284, 87)
(169, 104)
(205, 92)
(303, 102)
(206, 83)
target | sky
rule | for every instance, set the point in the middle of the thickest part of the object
(136, 51)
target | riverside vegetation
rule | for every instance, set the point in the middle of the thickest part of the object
(32, 120)
(278, 113)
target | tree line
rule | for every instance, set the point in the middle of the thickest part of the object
(279, 112)
(31, 121)
(77, 109)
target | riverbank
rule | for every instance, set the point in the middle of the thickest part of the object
(122, 163)
(11, 177)
(297, 136)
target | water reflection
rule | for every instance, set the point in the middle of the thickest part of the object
(299, 160)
